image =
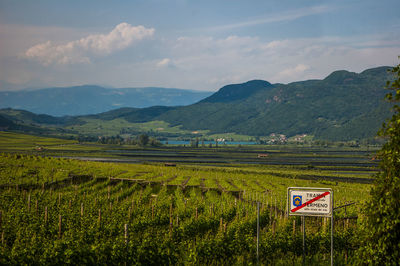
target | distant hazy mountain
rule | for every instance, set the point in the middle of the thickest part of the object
(89, 99)
(343, 106)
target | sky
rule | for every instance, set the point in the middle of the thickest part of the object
(189, 44)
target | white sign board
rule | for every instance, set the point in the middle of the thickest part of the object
(310, 201)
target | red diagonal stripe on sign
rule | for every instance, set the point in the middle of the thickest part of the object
(310, 201)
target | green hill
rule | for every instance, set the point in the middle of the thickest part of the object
(237, 92)
(343, 106)
(6, 123)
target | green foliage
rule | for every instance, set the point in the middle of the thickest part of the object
(160, 212)
(162, 229)
(143, 140)
(382, 224)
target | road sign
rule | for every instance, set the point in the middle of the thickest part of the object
(310, 201)
(307, 201)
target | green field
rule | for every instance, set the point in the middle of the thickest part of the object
(171, 205)
(21, 142)
(100, 127)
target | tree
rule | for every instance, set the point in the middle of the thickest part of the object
(382, 221)
(154, 142)
(143, 140)
(192, 143)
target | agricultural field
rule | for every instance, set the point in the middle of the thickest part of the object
(16, 142)
(159, 210)
(92, 126)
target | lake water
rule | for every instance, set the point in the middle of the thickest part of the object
(187, 142)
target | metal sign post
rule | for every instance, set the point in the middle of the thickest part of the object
(303, 228)
(309, 201)
(332, 239)
(258, 228)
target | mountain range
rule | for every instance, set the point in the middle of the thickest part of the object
(90, 99)
(343, 106)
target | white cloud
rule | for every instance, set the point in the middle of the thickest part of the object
(80, 51)
(293, 72)
(196, 62)
(164, 62)
(210, 63)
(284, 16)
